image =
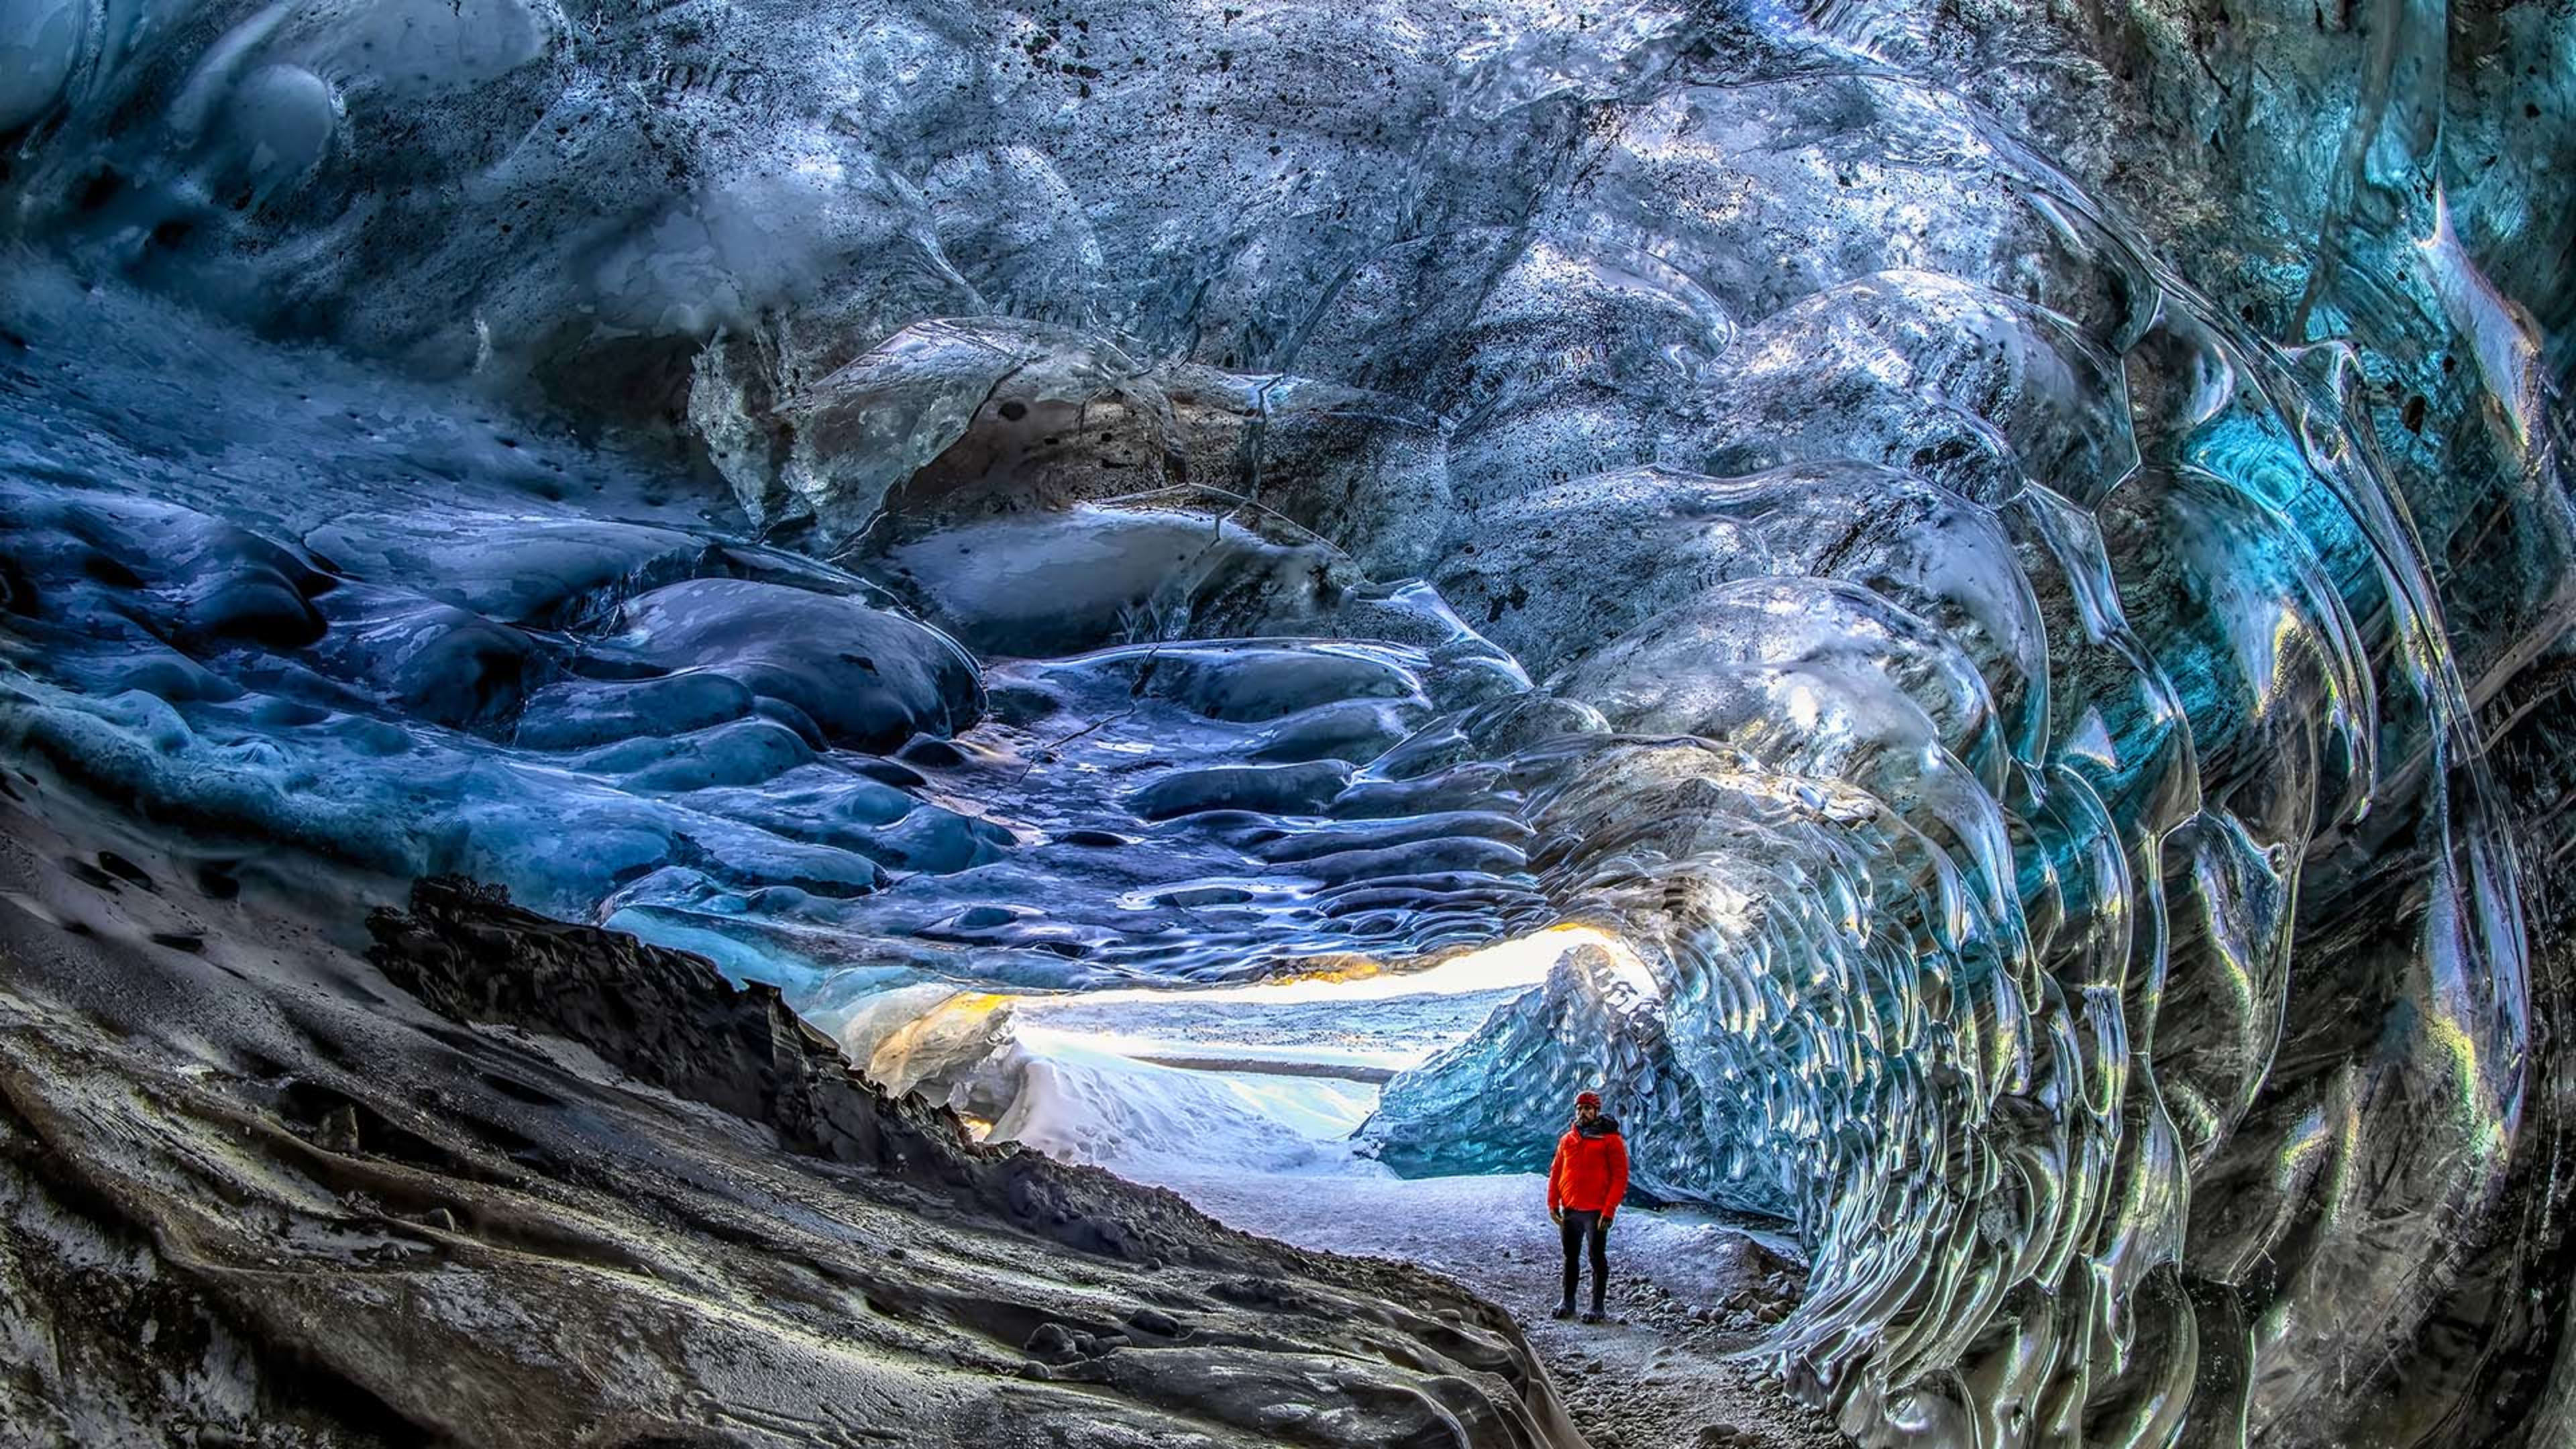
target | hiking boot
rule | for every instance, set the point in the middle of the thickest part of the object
(1594, 1316)
(1563, 1310)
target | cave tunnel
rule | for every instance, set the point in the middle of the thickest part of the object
(743, 723)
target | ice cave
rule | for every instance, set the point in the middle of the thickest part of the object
(730, 724)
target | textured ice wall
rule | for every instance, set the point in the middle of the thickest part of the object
(2006, 704)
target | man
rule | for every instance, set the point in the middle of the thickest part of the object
(1584, 1186)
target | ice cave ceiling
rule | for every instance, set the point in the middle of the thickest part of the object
(2017, 557)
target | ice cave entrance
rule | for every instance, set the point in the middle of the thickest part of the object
(1254, 1102)
(1194, 1088)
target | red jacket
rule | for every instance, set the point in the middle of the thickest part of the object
(1591, 1170)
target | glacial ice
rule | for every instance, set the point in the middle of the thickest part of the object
(914, 503)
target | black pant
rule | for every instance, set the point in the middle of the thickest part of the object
(1577, 1227)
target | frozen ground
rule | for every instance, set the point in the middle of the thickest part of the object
(1687, 1291)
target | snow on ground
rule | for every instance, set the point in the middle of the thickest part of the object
(1083, 1103)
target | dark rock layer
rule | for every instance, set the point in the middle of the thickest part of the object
(249, 1193)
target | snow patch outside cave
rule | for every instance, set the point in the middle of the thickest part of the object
(1182, 1088)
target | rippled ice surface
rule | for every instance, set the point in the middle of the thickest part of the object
(1171, 498)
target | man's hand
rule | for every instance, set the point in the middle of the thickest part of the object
(1606, 1216)
(1556, 1216)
